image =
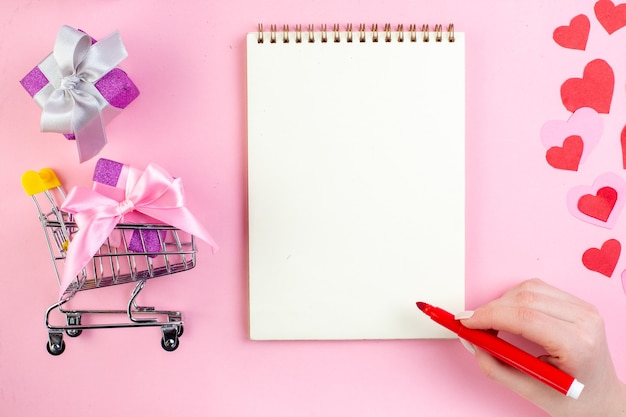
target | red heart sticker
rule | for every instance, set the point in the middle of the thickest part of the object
(598, 206)
(575, 35)
(568, 156)
(603, 260)
(601, 203)
(594, 90)
(610, 16)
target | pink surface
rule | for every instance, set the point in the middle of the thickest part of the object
(188, 60)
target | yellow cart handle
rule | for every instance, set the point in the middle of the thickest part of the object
(38, 182)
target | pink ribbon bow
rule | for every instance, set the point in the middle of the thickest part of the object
(154, 193)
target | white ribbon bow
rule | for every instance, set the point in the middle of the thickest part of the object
(74, 105)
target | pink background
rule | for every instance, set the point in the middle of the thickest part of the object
(188, 60)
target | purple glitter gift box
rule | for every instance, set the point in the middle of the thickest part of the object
(110, 180)
(115, 86)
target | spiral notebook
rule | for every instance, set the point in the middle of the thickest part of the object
(356, 180)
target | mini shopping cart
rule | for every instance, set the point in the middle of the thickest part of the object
(115, 263)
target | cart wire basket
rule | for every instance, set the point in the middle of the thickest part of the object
(128, 256)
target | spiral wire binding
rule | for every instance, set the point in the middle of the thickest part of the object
(362, 33)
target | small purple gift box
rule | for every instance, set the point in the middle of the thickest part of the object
(80, 89)
(109, 179)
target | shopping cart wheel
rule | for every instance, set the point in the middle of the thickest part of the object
(55, 346)
(170, 341)
(73, 319)
(170, 344)
(73, 332)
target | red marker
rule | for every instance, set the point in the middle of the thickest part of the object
(507, 353)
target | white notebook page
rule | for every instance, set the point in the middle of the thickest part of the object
(356, 185)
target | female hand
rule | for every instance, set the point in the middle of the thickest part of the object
(572, 333)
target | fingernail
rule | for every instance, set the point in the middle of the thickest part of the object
(464, 315)
(470, 347)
